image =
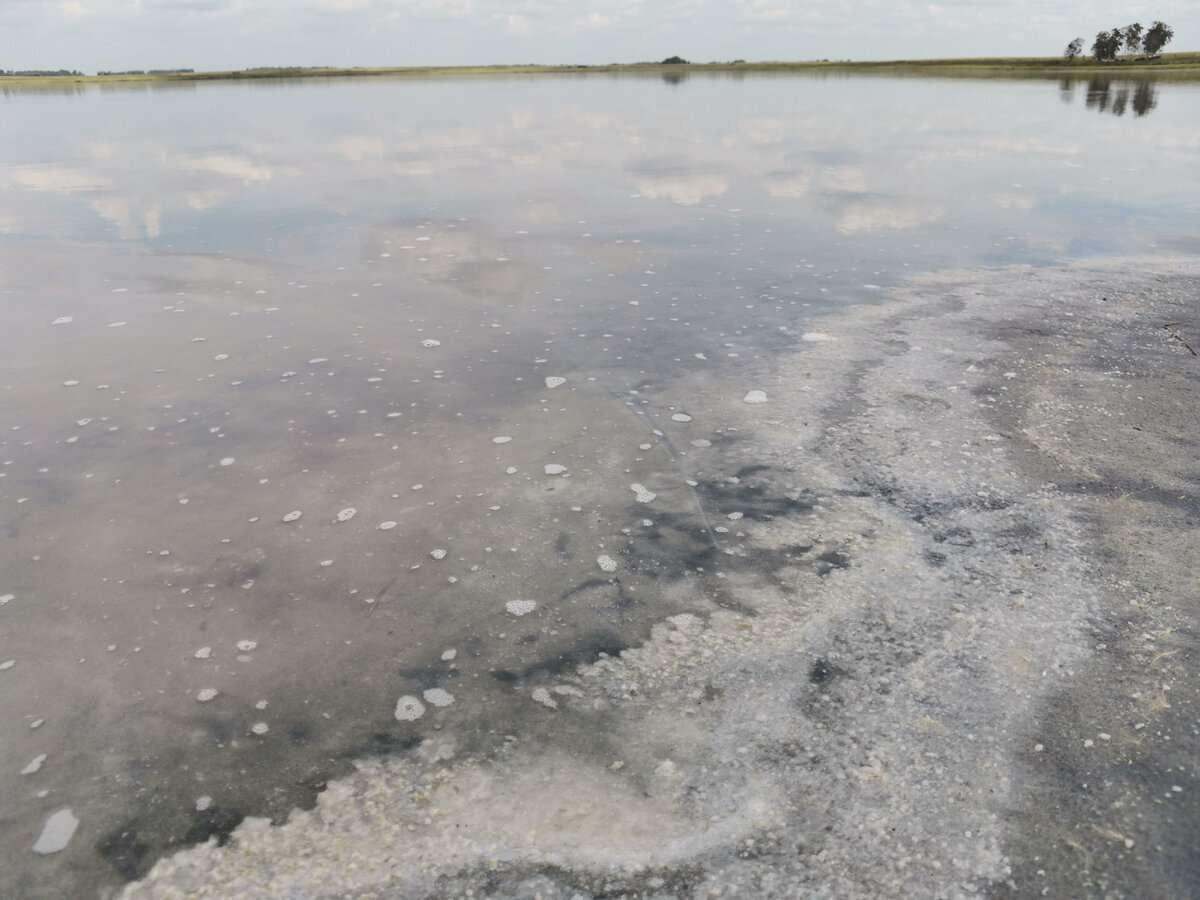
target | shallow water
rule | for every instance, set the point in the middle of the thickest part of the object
(514, 326)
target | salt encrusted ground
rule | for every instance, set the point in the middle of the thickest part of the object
(968, 669)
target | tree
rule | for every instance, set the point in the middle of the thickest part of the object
(1157, 37)
(1133, 37)
(1107, 44)
(1074, 48)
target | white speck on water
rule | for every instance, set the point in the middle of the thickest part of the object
(5, 598)
(7, 664)
(735, 515)
(37, 723)
(438, 697)
(701, 442)
(346, 514)
(553, 381)
(430, 342)
(227, 461)
(755, 397)
(207, 694)
(555, 469)
(511, 470)
(520, 607)
(63, 320)
(448, 655)
(643, 494)
(387, 526)
(685, 619)
(606, 562)
(203, 803)
(292, 516)
(326, 563)
(221, 357)
(681, 417)
(816, 336)
(34, 764)
(203, 653)
(117, 324)
(261, 704)
(501, 439)
(409, 708)
(317, 360)
(541, 695)
(260, 728)
(57, 832)
(246, 646)
(645, 446)
(439, 553)
(71, 383)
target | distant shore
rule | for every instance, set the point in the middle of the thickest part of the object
(1169, 65)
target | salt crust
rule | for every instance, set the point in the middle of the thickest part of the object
(856, 737)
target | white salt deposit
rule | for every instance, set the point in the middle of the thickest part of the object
(203, 653)
(63, 320)
(555, 469)
(34, 764)
(203, 803)
(448, 655)
(246, 646)
(439, 553)
(542, 695)
(57, 832)
(5, 598)
(409, 708)
(438, 697)
(643, 494)
(685, 619)
(346, 514)
(520, 607)
(755, 397)
(501, 439)
(606, 562)
(816, 336)
(7, 664)
(430, 342)
(387, 526)
(207, 694)
(227, 461)
(260, 728)
(553, 381)
(292, 516)
(681, 417)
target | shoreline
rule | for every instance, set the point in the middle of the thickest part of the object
(1182, 65)
(989, 688)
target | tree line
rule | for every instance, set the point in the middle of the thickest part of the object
(1134, 38)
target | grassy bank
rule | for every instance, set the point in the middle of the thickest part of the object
(1185, 65)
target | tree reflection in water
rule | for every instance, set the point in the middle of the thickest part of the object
(1106, 94)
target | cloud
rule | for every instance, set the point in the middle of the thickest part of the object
(513, 24)
(73, 10)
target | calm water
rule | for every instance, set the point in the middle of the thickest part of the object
(319, 395)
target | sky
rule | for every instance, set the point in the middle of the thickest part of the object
(90, 35)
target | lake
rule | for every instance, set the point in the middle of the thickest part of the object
(388, 433)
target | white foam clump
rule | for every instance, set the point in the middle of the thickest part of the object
(448, 655)
(644, 494)
(227, 461)
(685, 619)
(755, 397)
(57, 832)
(387, 526)
(203, 803)
(409, 709)
(292, 516)
(430, 342)
(246, 646)
(346, 514)
(555, 469)
(207, 694)
(606, 562)
(520, 607)
(260, 728)
(439, 553)
(553, 381)
(815, 336)
(542, 696)
(34, 764)
(681, 417)
(203, 653)
(438, 697)
(501, 439)
(6, 598)
(63, 320)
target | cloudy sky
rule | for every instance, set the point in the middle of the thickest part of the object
(229, 34)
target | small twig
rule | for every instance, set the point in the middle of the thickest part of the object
(379, 596)
(1175, 335)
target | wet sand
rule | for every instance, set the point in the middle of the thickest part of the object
(960, 662)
